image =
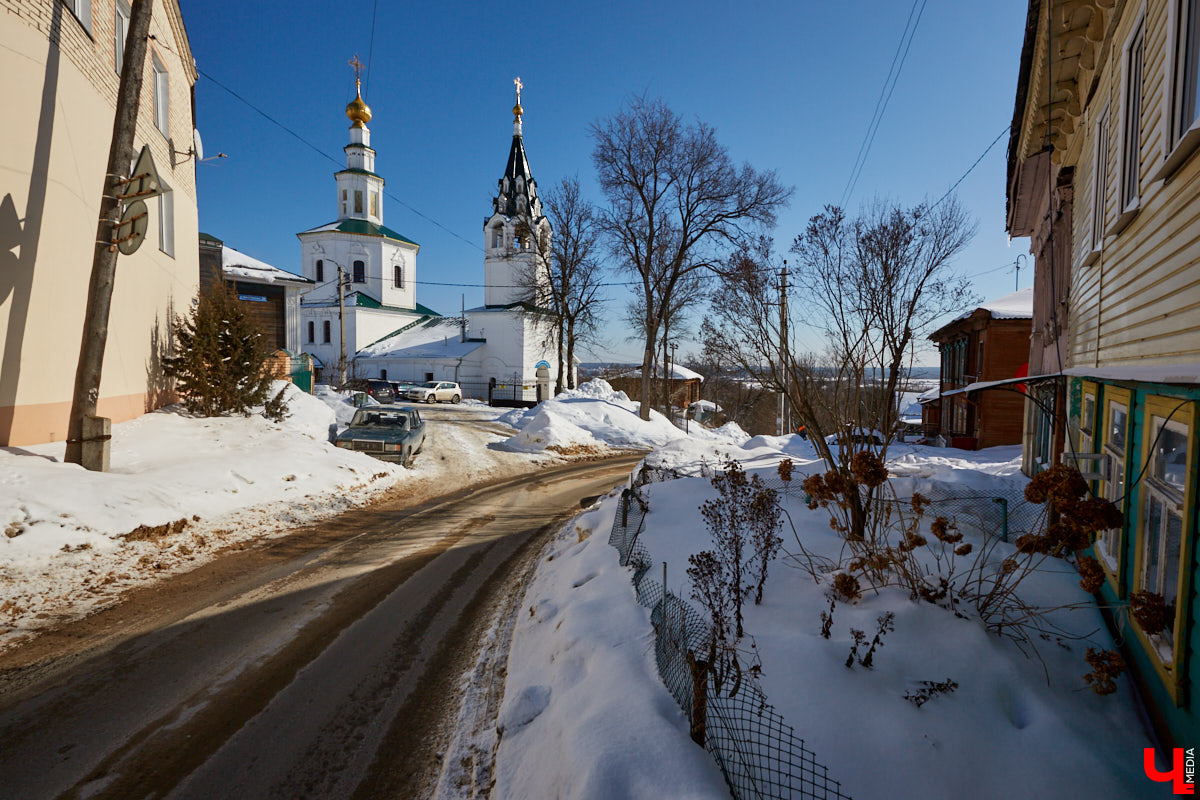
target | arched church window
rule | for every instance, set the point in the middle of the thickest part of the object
(357, 201)
(312, 332)
(497, 237)
(320, 274)
(360, 272)
(398, 276)
(325, 331)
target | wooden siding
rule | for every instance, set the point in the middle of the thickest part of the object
(1140, 301)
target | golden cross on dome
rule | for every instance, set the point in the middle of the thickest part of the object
(520, 86)
(357, 66)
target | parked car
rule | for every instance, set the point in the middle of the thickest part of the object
(435, 391)
(387, 432)
(401, 388)
(381, 390)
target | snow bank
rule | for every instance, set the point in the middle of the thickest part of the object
(584, 715)
(175, 483)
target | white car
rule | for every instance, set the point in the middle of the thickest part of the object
(435, 392)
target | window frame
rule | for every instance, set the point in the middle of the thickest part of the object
(1130, 127)
(161, 89)
(166, 219)
(121, 15)
(1179, 142)
(1110, 543)
(397, 276)
(326, 331)
(1160, 411)
(359, 271)
(1100, 176)
(312, 332)
(319, 270)
(82, 11)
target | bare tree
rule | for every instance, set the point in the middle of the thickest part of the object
(874, 285)
(690, 290)
(676, 202)
(565, 278)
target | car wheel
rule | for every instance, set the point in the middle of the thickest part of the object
(430, 398)
(456, 399)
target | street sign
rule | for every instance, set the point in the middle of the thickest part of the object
(131, 230)
(143, 181)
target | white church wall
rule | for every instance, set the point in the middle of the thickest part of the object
(395, 254)
(372, 324)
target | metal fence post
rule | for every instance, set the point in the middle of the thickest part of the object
(1003, 517)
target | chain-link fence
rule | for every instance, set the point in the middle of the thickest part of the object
(756, 750)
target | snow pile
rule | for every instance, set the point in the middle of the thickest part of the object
(179, 486)
(1006, 709)
(592, 414)
(584, 715)
(341, 403)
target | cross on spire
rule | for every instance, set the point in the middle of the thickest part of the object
(520, 86)
(357, 66)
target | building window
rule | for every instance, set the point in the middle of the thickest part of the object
(82, 9)
(383, 374)
(1099, 179)
(166, 220)
(398, 276)
(357, 201)
(1131, 136)
(374, 204)
(1187, 68)
(320, 271)
(343, 202)
(497, 237)
(360, 272)
(312, 332)
(1114, 438)
(162, 96)
(1161, 540)
(1043, 426)
(325, 331)
(120, 34)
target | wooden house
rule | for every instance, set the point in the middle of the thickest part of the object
(1104, 178)
(986, 345)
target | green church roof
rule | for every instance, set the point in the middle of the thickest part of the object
(363, 228)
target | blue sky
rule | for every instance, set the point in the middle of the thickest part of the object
(788, 85)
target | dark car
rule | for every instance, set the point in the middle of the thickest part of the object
(381, 390)
(387, 432)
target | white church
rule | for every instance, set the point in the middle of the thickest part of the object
(497, 351)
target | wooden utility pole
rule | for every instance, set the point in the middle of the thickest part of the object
(785, 426)
(342, 324)
(104, 261)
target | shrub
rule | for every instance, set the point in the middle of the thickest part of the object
(219, 358)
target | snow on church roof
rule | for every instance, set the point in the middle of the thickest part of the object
(238, 265)
(439, 337)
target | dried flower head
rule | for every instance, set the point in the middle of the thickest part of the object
(847, 586)
(1150, 611)
(1091, 575)
(1107, 666)
(962, 549)
(868, 469)
(785, 470)
(919, 503)
(1009, 566)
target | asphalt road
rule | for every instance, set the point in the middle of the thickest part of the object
(326, 665)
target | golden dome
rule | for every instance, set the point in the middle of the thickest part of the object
(517, 112)
(358, 111)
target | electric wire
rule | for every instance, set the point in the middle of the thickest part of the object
(325, 155)
(885, 95)
(963, 177)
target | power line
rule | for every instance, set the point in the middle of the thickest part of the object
(885, 95)
(963, 177)
(371, 46)
(323, 154)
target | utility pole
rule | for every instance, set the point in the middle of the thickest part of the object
(104, 261)
(342, 324)
(785, 426)
(671, 374)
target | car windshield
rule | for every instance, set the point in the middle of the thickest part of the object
(431, 385)
(367, 418)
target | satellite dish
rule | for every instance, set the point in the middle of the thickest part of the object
(197, 144)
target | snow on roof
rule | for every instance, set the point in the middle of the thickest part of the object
(677, 371)
(1018, 305)
(929, 396)
(1148, 373)
(438, 337)
(240, 266)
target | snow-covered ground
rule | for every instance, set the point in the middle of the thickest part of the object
(585, 715)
